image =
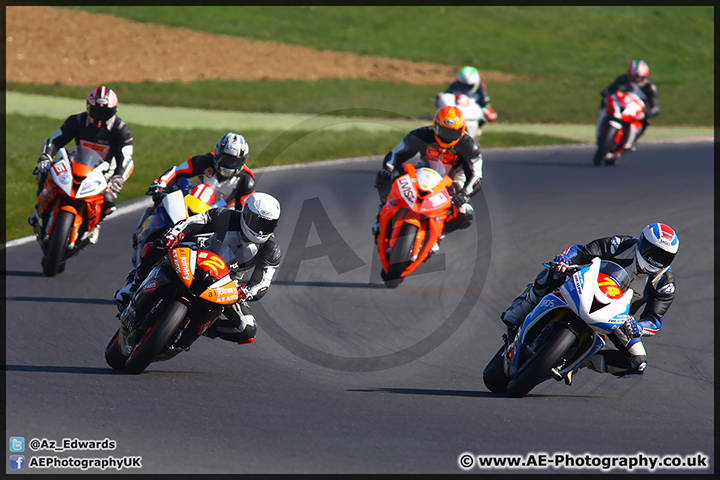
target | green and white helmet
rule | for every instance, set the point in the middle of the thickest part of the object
(470, 77)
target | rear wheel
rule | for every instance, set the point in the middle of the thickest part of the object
(400, 255)
(58, 243)
(155, 339)
(537, 367)
(606, 144)
(113, 357)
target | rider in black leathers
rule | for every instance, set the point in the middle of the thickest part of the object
(637, 76)
(451, 153)
(98, 128)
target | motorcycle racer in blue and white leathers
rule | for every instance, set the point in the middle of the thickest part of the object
(647, 259)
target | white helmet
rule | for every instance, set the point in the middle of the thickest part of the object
(260, 215)
(470, 77)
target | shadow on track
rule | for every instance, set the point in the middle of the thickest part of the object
(94, 301)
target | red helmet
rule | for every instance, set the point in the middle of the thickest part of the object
(638, 72)
(449, 126)
(102, 104)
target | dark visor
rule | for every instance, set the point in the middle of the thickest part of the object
(258, 224)
(655, 256)
(101, 112)
(448, 134)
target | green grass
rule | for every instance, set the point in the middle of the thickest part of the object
(585, 42)
(565, 55)
(157, 149)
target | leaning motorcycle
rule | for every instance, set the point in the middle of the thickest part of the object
(182, 296)
(566, 327)
(69, 206)
(177, 205)
(474, 114)
(624, 115)
(411, 221)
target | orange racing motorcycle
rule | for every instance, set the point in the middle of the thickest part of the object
(411, 222)
(182, 296)
(69, 206)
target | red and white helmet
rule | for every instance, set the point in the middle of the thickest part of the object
(656, 248)
(638, 72)
(102, 105)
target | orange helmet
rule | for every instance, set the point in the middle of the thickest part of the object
(449, 126)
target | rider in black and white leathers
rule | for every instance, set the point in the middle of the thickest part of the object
(257, 264)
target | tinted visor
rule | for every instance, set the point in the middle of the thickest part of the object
(654, 255)
(258, 224)
(229, 165)
(639, 80)
(448, 135)
(101, 112)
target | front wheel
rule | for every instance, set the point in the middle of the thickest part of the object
(113, 357)
(155, 339)
(57, 246)
(606, 144)
(537, 367)
(401, 254)
(494, 374)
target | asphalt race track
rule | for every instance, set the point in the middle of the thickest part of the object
(347, 376)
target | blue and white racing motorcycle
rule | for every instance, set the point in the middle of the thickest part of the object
(566, 327)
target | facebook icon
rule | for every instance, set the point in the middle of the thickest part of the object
(17, 462)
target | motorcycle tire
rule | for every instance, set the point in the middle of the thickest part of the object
(155, 340)
(58, 243)
(113, 357)
(537, 367)
(400, 255)
(494, 374)
(606, 144)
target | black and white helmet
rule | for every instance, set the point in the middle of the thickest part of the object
(260, 215)
(231, 153)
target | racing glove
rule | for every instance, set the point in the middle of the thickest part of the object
(115, 184)
(44, 163)
(460, 198)
(632, 328)
(244, 293)
(169, 240)
(560, 264)
(385, 176)
(157, 190)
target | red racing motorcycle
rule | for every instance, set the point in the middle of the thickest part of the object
(624, 115)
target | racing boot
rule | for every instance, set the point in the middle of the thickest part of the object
(435, 248)
(519, 308)
(94, 235)
(236, 325)
(125, 294)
